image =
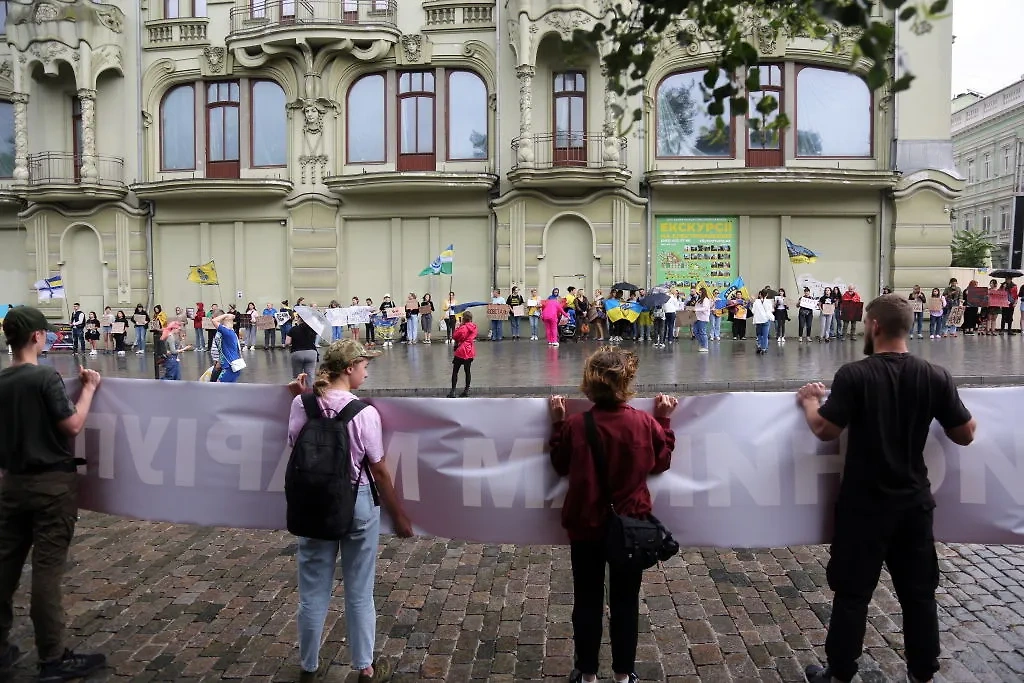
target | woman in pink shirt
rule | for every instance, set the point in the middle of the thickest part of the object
(550, 310)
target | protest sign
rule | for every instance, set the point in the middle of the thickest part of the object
(337, 317)
(956, 316)
(935, 305)
(266, 322)
(852, 311)
(497, 311)
(828, 309)
(999, 299)
(139, 318)
(118, 328)
(808, 303)
(208, 324)
(685, 317)
(395, 312)
(283, 317)
(519, 311)
(976, 296)
(917, 306)
(107, 320)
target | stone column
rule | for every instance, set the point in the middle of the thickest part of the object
(611, 140)
(87, 98)
(525, 73)
(20, 101)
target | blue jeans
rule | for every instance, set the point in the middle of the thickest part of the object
(716, 326)
(935, 325)
(227, 375)
(496, 330)
(285, 329)
(514, 322)
(700, 329)
(358, 569)
(412, 329)
(269, 338)
(762, 330)
(78, 338)
(670, 326)
(918, 323)
(826, 325)
(172, 368)
(200, 339)
(336, 333)
(534, 320)
(140, 337)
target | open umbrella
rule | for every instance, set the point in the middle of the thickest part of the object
(652, 301)
(625, 286)
(1006, 273)
(314, 318)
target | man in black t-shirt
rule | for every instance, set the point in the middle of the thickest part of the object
(885, 508)
(39, 493)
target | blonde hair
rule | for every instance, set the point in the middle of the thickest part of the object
(331, 368)
(608, 375)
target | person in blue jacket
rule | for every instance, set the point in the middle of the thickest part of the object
(230, 354)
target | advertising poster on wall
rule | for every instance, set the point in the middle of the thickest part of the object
(695, 249)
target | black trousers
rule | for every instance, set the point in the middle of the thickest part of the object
(588, 563)
(461, 363)
(739, 328)
(806, 316)
(902, 539)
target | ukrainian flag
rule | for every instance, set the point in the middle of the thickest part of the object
(622, 310)
(442, 265)
(800, 254)
(51, 288)
(205, 274)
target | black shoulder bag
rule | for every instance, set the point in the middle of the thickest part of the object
(630, 543)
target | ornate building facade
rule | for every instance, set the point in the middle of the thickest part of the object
(332, 148)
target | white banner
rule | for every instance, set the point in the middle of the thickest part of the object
(746, 471)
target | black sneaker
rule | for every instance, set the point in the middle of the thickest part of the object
(9, 657)
(819, 674)
(70, 666)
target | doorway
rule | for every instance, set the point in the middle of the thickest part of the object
(569, 255)
(84, 273)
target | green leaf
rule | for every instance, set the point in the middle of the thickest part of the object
(711, 77)
(716, 108)
(908, 13)
(938, 6)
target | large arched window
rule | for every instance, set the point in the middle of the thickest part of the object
(6, 140)
(416, 121)
(684, 127)
(833, 114)
(364, 116)
(178, 129)
(467, 116)
(269, 134)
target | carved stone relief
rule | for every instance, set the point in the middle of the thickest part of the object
(313, 112)
(45, 12)
(566, 22)
(6, 69)
(312, 168)
(412, 45)
(88, 101)
(20, 101)
(525, 74)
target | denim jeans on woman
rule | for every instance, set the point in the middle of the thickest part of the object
(918, 324)
(534, 320)
(670, 325)
(716, 326)
(140, 337)
(762, 329)
(935, 325)
(317, 561)
(826, 325)
(172, 368)
(412, 327)
(700, 330)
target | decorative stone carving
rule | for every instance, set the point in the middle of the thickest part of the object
(492, 101)
(412, 45)
(112, 19)
(45, 12)
(147, 119)
(88, 101)
(106, 57)
(525, 74)
(312, 168)
(6, 69)
(20, 101)
(611, 141)
(216, 58)
(566, 22)
(313, 112)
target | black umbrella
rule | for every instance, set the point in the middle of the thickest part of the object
(770, 293)
(625, 286)
(1006, 273)
(652, 301)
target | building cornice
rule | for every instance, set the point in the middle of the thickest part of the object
(410, 181)
(214, 188)
(780, 177)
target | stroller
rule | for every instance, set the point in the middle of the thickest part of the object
(567, 327)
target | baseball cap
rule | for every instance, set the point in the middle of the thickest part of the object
(346, 352)
(25, 320)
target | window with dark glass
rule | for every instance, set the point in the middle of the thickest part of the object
(6, 140)
(269, 133)
(467, 116)
(178, 129)
(833, 114)
(683, 126)
(570, 114)
(222, 144)
(76, 135)
(764, 145)
(416, 121)
(172, 9)
(364, 120)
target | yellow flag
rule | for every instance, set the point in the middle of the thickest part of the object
(205, 274)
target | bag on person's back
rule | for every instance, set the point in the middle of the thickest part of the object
(318, 484)
(630, 542)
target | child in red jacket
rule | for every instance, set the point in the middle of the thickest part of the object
(636, 445)
(464, 337)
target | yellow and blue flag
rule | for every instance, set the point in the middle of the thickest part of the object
(442, 265)
(799, 254)
(205, 274)
(622, 310)
(51, 288)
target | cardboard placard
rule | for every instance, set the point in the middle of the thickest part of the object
(520, 311)
(337, 317)
(118, 328)
(107, 320)
(828, 309)
(917, 306)
(808, 303)
(395, 312)
(999, 299)
(532, 303)
(426, 310)
(956, 316)
(935, 305)
(266, 322)
(139, 318)
(852, 311)
(497, 311)
(976, 296)
(740, 314)
(208, 324)
(154, 325)
(686, 316)
(283, 317)
(190, 313)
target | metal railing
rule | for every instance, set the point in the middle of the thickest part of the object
(573, 150)
(63, 168)
(258, 15)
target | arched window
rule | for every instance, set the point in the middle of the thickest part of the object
(178, 129)
(833, 114)
(416, 121)
(683, 126)
(467, 116)
(269, 128)
(6, 140)
(364, 116)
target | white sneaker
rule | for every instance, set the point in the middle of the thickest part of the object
(931, 336)
(555, 344)
(702, 350)
(92, 353)
(140, 352)
(920, 336)
(120, 353)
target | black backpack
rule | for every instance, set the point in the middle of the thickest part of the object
(318, 482)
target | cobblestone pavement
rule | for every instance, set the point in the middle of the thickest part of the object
(524, 367)
(178, 603)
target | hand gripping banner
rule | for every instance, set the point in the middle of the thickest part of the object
(746, 471)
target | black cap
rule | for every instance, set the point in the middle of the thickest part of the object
(25, 320)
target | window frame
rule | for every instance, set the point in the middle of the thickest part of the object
(11, 105)
(796, 114)
(986, 222)
(253, 82)
(447, 115)
(1006, 160)
(416, 161)
(384, 122)
(774, 157)
(970, 170)
(730, 118)
(987, 165)
(572, 156)
(163, 100)
(208, 107)
(1004, 219)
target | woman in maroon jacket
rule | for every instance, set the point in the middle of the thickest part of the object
(636, 445)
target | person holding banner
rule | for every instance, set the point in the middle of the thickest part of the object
(119, 330)
(449, 315)
(515, 301)
(533, 306)
(936, 308)
(141, 320)
(805, 315)
(954, 296)
(702, 309)
(286, 326)
(426, 311)
(636, 445)
(197, 325)
(342, 372)
(371, 337)
(885, 510)
(105, 324)
(497, 326)
(1006, 319)
(849, 327)
(827, 303)
(601, 317)
(917, 302)
(991, 311)
(412, 318)
(269, 334)
(249, 320)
